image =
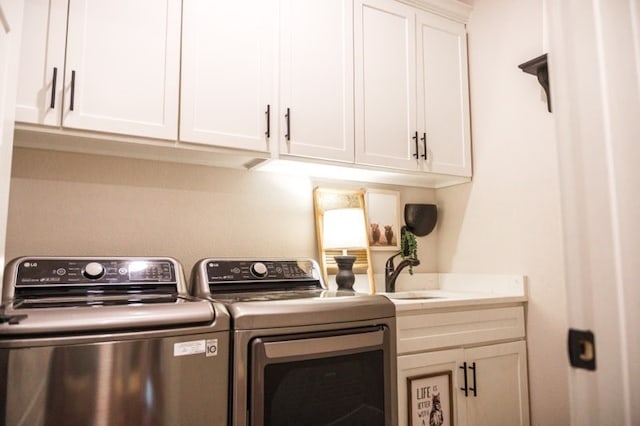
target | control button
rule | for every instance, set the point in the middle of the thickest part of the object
(259, 270)
(122, 271)
(61, 271)
(93, 270)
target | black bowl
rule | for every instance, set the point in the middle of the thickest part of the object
(420, 218)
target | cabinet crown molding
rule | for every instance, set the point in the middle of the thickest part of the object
(452, 9)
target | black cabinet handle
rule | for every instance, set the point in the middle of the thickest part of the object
(463, 367)
(475, 384)
(268, 114)
(53, 87)
(424, 145)
(73, 89)
(415, 139)
(288, 117)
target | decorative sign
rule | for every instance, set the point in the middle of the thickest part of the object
(430, 400)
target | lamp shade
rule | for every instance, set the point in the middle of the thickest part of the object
(344, 229)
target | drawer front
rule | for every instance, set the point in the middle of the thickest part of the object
(429, 331)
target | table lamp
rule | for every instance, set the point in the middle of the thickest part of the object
(344, 229)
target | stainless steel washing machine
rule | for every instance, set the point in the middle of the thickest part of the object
(109, 341)
(302, 355)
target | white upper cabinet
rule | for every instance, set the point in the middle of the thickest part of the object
(44, 31)
(122, 69)
(228, 73)
(443, 96)
(370, 85)
(385, 84)
(316, 79)
(411, 87)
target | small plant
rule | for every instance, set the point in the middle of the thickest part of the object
(409, 247)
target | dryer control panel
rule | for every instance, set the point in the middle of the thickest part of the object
(261, 274)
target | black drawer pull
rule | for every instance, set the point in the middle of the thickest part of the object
(463, 367)
(53, 87)
(287, 136)
(73, 89)
(268, 114)
(475, 384)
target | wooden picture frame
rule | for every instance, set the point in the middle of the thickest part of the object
(383, 218)
(430, 399)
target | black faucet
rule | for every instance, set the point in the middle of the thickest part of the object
(391, 272)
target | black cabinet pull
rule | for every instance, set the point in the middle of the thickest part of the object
(268, 114)
(415, 139)
(424, 145)
(463, 367)
(475, 384)
(53, 87)
(73, 89)
(288, 117)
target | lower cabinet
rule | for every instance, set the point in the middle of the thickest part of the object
(494, 391)
(470, 383)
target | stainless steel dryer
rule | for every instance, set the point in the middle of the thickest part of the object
(303, 355)
(109, 341)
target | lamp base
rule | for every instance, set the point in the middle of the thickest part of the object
(345, 277)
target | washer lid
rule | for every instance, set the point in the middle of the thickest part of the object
(49, 317)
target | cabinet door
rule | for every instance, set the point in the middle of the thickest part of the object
(44, 31)
(228, 73)
(501, 396)
(443, 96)
(385, 85)
(316, 80)
(430, 363)
(123, 67)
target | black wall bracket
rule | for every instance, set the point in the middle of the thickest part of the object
(538, 67)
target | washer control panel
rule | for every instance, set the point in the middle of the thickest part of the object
(227, 271)
(98, 271)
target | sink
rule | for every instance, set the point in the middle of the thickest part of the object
(413, 295)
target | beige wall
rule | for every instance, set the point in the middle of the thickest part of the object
(508, 220)
(77, 204)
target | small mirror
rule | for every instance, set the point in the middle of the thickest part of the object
(326, 199)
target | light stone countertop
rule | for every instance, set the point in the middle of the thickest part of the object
(435, 291)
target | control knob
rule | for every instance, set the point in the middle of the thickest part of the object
(259, 270)
(93, 270)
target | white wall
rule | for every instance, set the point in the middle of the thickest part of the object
(77, 204)
(508, 219)
(10, 33)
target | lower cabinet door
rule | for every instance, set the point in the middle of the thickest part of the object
(428, 388)
(501, 388)
(485, 385)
